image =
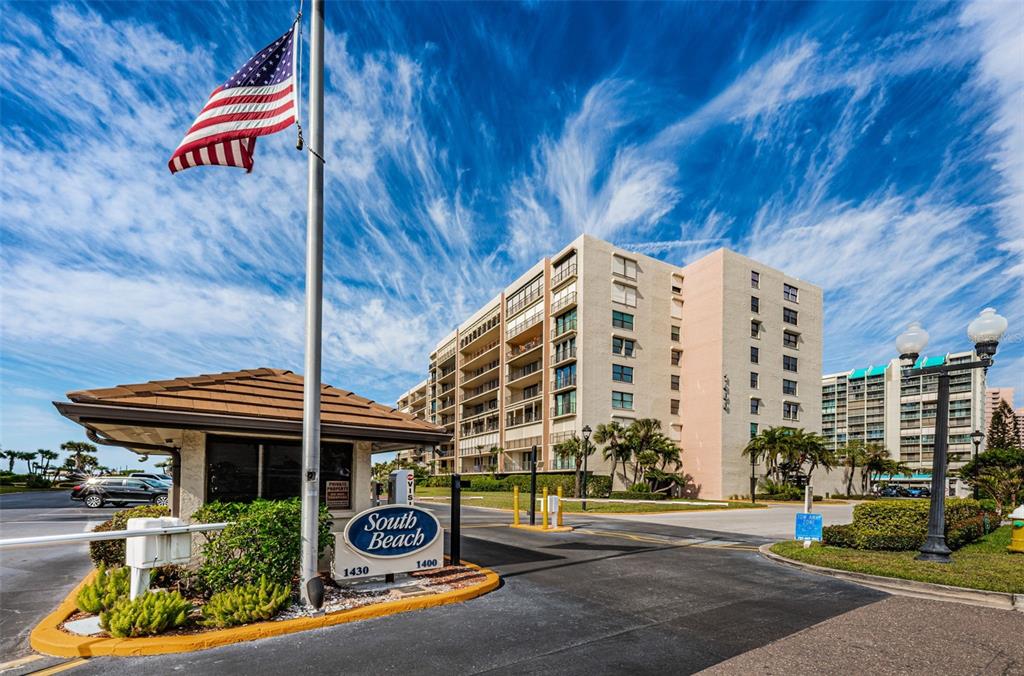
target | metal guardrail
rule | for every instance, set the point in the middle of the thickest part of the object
(44, 540)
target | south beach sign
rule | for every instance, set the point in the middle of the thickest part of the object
(389, 539)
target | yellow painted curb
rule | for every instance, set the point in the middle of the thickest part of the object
(542, 529)
(48, 638)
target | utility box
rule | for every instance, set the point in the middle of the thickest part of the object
(552, 504)
(401, 487)
(153, 551)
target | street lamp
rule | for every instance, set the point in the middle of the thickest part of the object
(753, 478)
(586, 444)
(976, 437)
(985, 332)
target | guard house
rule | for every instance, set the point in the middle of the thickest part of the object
(238, 435)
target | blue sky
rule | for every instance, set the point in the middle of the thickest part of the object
(874, 149)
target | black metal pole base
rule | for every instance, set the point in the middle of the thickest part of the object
(935, 550)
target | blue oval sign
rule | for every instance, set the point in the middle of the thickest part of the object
(392, 530)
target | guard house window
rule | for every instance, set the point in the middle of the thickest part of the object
(755, 406)
(622, 400)
(674, 406)
(755, 304)
(622, 320)
(234, 467)
(755, 279)
(675, 382)
(790, 293)
(789, 315)
(790, 410)
(677, 357)
(675, 334)
(622, 374)
(623, 346)
(754, 380)
(789, 387)
(790, 339)
(754, 355)
(755, 328)
(788, 363)
(624, 294)
(624, 266)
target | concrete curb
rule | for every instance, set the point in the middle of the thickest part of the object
(901, 587)
(542, 529)
(49, 639)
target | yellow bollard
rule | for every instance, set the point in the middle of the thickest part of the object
(544, 509)
(515, 505)
(559, 522)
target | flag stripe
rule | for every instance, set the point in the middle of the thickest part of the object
(248, 98)
(249, 112)
(237, 130)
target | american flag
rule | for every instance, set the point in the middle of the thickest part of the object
(259, 99)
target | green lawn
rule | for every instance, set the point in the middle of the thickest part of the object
(22, 489)
(984, 564)
(503, 500)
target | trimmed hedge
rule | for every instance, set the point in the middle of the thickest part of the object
(902, 525)
(597, 486)
(637, 495)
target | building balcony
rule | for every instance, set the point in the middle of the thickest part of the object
(524, 444)
(515, 374)
(563, 411)
(480, 357)
(522, 396)
(468, 377)
(565, 383)
(525, 418)
(517, 353)
(523, 303)
(567, 329)
(563, 274)
(524, 323)
(563, 356)
(565, 302)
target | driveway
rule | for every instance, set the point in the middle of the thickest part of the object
(32, 580)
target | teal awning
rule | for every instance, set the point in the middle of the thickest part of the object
(858, 373)
(923, 362)
(876, 371)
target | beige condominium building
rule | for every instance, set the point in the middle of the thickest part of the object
(876, 405)
(715, 350)
(414, 402)
(994, 395)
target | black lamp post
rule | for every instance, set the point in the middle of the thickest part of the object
(976, 437)
(985, 331)
(753, 479)
(586, 447)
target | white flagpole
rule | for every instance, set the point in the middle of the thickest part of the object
(311, 590)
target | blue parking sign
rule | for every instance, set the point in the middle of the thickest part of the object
(808, 527)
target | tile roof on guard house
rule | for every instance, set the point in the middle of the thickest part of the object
(236, 435)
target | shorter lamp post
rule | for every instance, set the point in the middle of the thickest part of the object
(753, 479)
(984, 331)
(976, 437)
(586, 447)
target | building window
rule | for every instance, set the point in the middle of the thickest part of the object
(565, 403)
(755, 406)
(675, 334)
(565, 350)
(565, 322)
(755, 279)
(622, 320)
(622, 374)
(623, 294)
(789, 315)
(623, 346)
(624, 266)
(755, 328)
(565, 376)
(753, 430)
(677, 357)
(674, 406)
(788, 363)
(677, 289)
(790, 339)
(789, 410)
(754, 353)
(753, 379)
(622, 400)
(675, 382)
(790, 293)
(755, 304)
(789, 387)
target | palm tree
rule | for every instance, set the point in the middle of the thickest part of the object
(813, 452)
(10, 457)
(873, 462)
(644, 436)
(851, 456)
(28, 457)
(768, 446)
(573, 448)
(612, 435)
(48, 456)
(79, 451)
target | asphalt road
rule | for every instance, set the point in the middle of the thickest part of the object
(613, 597)
(32, 580)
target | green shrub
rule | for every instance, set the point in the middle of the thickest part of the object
(549, 481)
(902, 525)
(36, 481)
(105, 591)
(262, 541)
(110, 553)
(245, 603)
(637, 495)
(439, 481)
(839, 536)
(149, 614)
(487, 483)
(598, 486)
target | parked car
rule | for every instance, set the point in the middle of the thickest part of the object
(150, 475)
(919, 492)
(894, 492)
(119, 491)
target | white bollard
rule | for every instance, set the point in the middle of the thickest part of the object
(808, 501)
